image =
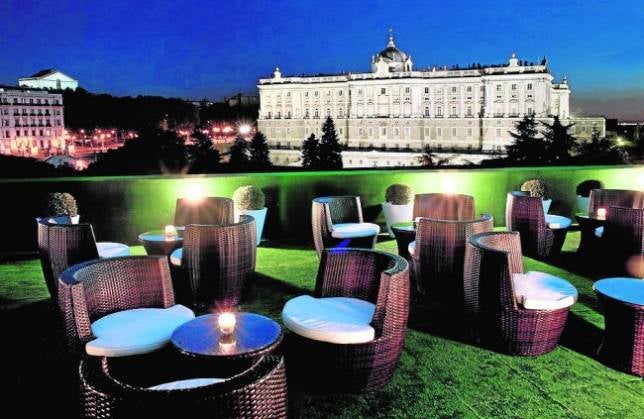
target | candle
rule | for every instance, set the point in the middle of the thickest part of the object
(170, 231)
(227, 323)
(601, 213)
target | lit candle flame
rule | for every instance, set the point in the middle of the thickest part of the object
(170, 231)
(601, 213)
(227, 323)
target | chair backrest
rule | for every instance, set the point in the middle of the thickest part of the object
(218, 260)
(604, 198)
(440, 251)
(379, 277)
(524, 213)
(91, 290)
(491, 260)
(624, 236)
(109, 389)
(209, 210)
(61, 246)
(444, 206)
(329, 210)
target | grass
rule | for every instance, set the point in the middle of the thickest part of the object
(440, 374)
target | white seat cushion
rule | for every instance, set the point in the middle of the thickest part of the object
(112, 250)
(341, 320)
(541, 291)
(412, 248)
(354, 230)
(176, 256)
(599, 232)
(136, 331)
(186, 384)
(557, 221)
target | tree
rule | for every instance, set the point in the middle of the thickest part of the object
(330, 148)
(598, 150)
(311, 153)
(559, 143)
(239, 153)
(204, 158)
(259, 151)
(429, 159)
(528, 147)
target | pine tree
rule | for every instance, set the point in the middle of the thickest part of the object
(528, 147)
(238, 153)
(204, 158)
(559, 143)
(311, 153)
(259, 151)
(598, 150)
(330, 148)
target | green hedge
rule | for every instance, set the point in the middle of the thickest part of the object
(122, 207)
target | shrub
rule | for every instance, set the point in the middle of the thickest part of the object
(535, 187)
(249, 198)
(61, 203)
(584, 188)
(398, 194)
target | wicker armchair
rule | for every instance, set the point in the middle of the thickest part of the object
(623, 240)
(378, 277)
(524, 213)
(492, 260)
(216, 262)
(91, 290)
(444, 206)
(439, 253)
(604, 198)
(327, 211)
(110, 390)
(210, 210)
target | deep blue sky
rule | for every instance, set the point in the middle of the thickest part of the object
(216, 48)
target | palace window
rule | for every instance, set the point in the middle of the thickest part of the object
(469, 111)
(383, 131)
(288, 94)
(316, 93)
(498, 132)
(453, 110)
(360, 132)
(426, 132)
(316, 113)
(406, 89)
(359, 91)
(453, 89)
(530, 95)
(426, 110)
(370, 132)
(407, 132)
(453, 132)
(383, 91)
(306, 113)
(340, 113)
(340, 93)
(469, 88)
(396, 132)
(469, 132)
(498, 87)
(529, 86)
(482, 89)
(328, 112)
(328, 93)
(426, 90)
(306, 94)
(439, 132)
(514, 86)
(439, 111)
(529, 111)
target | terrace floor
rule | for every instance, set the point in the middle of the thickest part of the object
(441, 373)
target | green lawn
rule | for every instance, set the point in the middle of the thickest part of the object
(441, 373)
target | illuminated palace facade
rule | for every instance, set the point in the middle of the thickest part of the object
(386, 117)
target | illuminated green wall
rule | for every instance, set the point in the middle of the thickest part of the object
(122, 207)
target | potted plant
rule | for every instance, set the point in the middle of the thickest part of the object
(537, 187)
(398, 206)
(61, 204)
(250, 200)
(583, 193)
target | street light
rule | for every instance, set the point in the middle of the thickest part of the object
(244, 129)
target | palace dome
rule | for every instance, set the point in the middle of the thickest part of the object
(395, 59)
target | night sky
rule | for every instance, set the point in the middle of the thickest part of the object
(195, 49)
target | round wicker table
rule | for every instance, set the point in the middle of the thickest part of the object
(405, 233)
(623, 344)
(157, 243)
(253, 336)
(587, 225)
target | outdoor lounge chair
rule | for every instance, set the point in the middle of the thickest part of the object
(119, 307)
(215, 263)
(337, 222)
(514, 312)
(623, 241)
(444, 206)
(207, 210)
(64, 244)
(349, 337)
(542, 235)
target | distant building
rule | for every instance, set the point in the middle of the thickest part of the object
(201, 103)
(397, 107)
(49, 79)
(64, 160)
(241, 100)
(31, 122)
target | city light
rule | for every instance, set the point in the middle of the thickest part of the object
(244, 129)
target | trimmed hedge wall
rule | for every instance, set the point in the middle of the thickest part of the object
(122, 207)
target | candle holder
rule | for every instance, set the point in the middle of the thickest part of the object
(601, 213)
(170, 232)
(227, 342)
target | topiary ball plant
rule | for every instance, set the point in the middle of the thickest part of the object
(61, 203)
(399, 194)
(249, 198)
(584, 188)
(535, 187)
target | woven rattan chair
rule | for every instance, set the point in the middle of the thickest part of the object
(216, 262)
(589, 243)
(623, 240)
(332, 210)
(444, 206)
(492, 260)
(115, 391)
(377, 277)
(91, 290)
(524, 213)
(209, 210)
(438, 258)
